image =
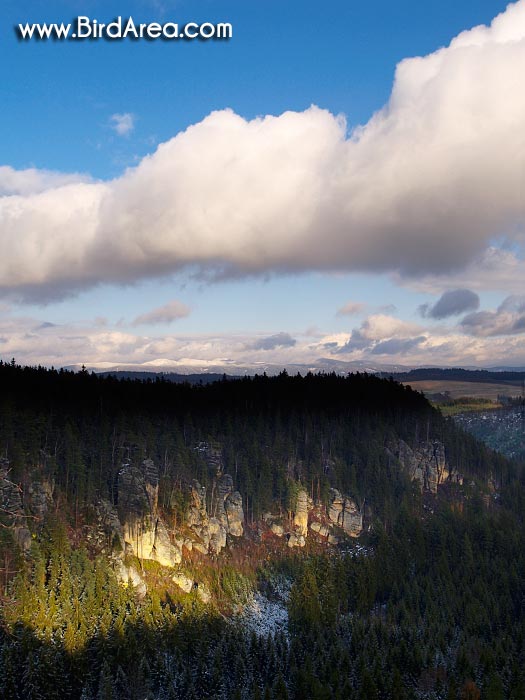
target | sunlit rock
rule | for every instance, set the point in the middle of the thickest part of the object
(344, 512)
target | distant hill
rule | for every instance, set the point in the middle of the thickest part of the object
(458, 374)
(169, 377)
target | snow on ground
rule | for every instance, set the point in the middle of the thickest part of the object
(356, 550)
(263, 616)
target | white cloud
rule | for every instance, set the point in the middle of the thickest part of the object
(168, 313)
(382, 340)
(383, 334)
(422, 188)
(33, 181)
(123, 124)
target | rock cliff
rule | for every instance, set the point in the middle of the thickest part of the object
(144, 533)
(345, 513)
(425, 463)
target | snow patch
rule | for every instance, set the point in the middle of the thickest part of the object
(264, 617)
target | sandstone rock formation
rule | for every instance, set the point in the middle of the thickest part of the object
(226, 518)
(40, 495)
(277, 529)
(320, 529)
(234, 514)
(128, 575)
(300, 519)
(143, 531)
(425, 463)
(12, 507)
(184, 582)
(344, 512)
(296, 539)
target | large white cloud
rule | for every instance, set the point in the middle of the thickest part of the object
(422, 188)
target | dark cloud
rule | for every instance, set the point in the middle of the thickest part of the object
(480, 319)
(279, 340)
(357, 341)
(452, 303)
(397, 346)
(508, 319)
(46, 324)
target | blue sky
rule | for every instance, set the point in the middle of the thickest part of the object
(62, 103)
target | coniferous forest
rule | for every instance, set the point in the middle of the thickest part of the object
(391, 543)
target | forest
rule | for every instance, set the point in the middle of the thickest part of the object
(427, 602)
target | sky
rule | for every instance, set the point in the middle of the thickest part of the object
(340, 181)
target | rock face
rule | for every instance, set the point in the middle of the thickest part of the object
(295, 539)
(425, 463)
(277, 529)
(300, 519)
(143, 531)
(344, 512)
(320, 529)
(137, 490)
(107, 533)
(226, 518)
(183, 582)
(227, 506)
(40, 497)
(197, 515)
(12, 508)
(234, 514)
(127, 575)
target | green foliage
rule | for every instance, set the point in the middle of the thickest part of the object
(432, 608)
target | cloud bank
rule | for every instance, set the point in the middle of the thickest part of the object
(423, 188)
(379, 340)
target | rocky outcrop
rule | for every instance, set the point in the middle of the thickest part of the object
(197, 515)
(426, 464)
(40, 497)
(107, 531)
(345, 513)
(226, 505)
(227, 515)
(277, 529)
(187, 584)
(128, 575)
(11, 508)
(300, 519)
(183, 582)
(137, 490)
(312, 519)
(296, 539)
(234, 514)
(148, 538)
(320, 529)
(144, 533)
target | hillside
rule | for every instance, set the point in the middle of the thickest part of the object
(146, 525)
